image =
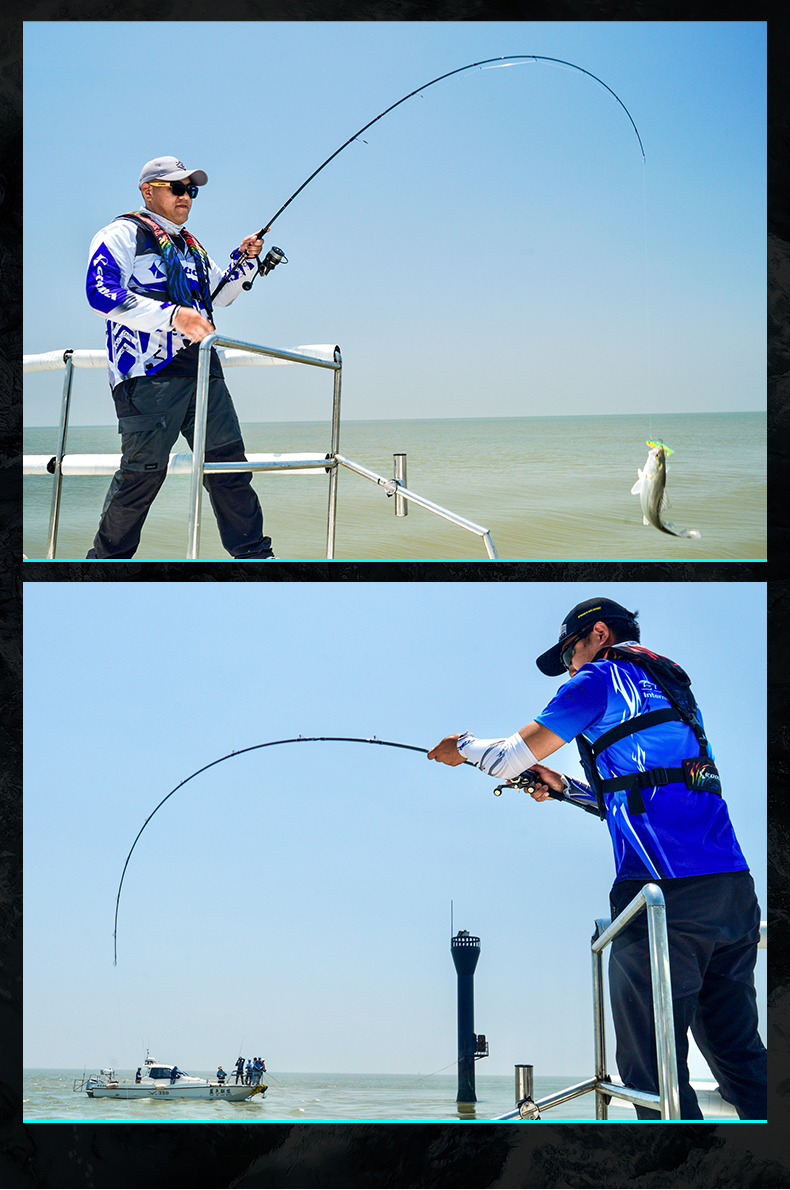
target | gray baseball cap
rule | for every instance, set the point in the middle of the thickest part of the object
(170, 169)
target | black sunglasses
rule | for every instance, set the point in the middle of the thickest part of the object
(178, 188)
(567, 653)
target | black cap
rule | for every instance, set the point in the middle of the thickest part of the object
(584, 615)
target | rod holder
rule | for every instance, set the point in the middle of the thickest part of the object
(526, 1106)
(401, 504)
(524, 1083)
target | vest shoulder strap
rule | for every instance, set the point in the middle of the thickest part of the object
(672, 680)
(697, 772)
(650, 719)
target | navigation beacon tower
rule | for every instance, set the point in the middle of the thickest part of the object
(465, 950)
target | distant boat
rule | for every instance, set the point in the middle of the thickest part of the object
(157, 1082)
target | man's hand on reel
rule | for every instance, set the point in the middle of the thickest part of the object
(552, 780)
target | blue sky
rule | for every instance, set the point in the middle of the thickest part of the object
(299, 896)
(495, 248)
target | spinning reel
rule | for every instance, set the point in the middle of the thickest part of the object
(270, 261)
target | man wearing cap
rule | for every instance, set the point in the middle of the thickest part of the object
(652, 778)
(152, 282)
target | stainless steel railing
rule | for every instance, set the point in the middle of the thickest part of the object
(236, 352)
(57, 485)
(650, 899)
(395, 487)
(201, 467)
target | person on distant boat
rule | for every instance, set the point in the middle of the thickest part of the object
(138, 1076)
(176, 1073)
(221, 1075)
(240, 1070)
(248, 1073)
(652, 778)
(152, 282)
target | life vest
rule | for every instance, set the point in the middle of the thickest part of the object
(178, 290)
(696, 772)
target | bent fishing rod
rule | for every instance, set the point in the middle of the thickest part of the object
(527, 780)
(276, 253)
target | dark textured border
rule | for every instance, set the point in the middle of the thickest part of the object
(369, 1155)
(394, 572)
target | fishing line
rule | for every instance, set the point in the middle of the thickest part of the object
(503, 60)
(120, 1018)
(413, 1083)
(647, 312)
(240, 752)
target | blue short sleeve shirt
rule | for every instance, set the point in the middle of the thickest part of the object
(683, 832)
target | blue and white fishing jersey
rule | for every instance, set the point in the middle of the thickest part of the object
(682, 832)
(127, 286)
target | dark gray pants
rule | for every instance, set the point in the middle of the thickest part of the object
(152, 412)
(713, 923)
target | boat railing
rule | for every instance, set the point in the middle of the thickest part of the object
(649, 899)
(236, 353)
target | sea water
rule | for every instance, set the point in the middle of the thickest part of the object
(303, 1098)
(553, 488)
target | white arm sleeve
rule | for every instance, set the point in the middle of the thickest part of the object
(498, 758)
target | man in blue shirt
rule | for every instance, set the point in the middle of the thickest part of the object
(655, 783)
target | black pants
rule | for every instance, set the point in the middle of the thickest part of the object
(713, 923)
(152, 412)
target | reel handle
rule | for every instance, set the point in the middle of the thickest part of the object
(273, 257)
(528, 780)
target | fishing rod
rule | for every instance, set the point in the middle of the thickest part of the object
(261, 271)
(526, 780)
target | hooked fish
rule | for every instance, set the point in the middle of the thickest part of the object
(650, 488)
